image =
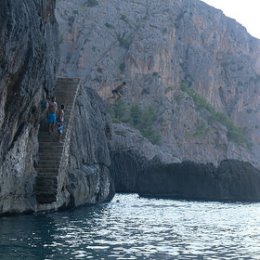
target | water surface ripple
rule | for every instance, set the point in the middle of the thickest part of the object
(136, 228)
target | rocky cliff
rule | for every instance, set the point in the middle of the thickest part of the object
(88, 178)
(28, 59)
(27, 64)
(179, 71)
(198, 69)
(75, 171)
(232, 180)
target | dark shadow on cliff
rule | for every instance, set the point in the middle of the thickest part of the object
(231, 181)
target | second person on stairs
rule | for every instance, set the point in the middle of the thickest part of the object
(60, 122)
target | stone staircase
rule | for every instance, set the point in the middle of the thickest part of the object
(50, 150)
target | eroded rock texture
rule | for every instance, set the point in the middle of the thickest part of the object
(131, 153)
(199, 70)
(27, 61)
(160, 47)
(230, 181)
(89, 180)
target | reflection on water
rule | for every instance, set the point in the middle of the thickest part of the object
(136, 228)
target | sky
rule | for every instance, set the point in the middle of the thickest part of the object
(246, 12)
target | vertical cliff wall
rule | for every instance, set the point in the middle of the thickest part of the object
(198, 69)
(27, 63)
(88, 178)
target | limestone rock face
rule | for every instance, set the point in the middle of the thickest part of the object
(230, 181)
(27, 64)
(197, 68)
(88, 179)
(130, 154)
(138, 166)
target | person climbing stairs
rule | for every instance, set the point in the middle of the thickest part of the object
(50, 149)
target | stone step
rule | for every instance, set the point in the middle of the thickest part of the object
(49, 158)
(65, 97)
(45, 198)
(65, 100)
(51, 137)
(47, 144)
(50, 150)
(49, 161)
(44, 142)
(48, 165)
(50, 155)
(46, 190)
(69, 93)
(67, 80)
(47, 171)
(61, 79)
(64, 85)
(49, 140)
(43, 139)
(44, 170)
(46, 133)
(47, 182)
(42, 175)
(43, 191)
(46, 187)
(46, 139)
(47, 175)
(63, 89)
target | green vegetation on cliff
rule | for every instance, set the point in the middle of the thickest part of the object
(118, 112)
(141, 119)
(234, 132)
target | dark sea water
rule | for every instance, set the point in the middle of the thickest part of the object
(136, 228)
